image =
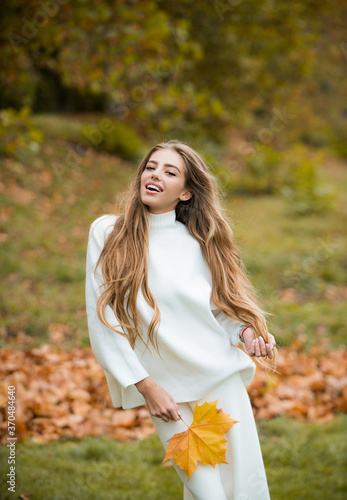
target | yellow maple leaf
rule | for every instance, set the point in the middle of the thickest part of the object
(203, 441)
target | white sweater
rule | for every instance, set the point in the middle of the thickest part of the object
(197, 341)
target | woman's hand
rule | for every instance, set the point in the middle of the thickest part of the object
(159, 402)
(257, 346)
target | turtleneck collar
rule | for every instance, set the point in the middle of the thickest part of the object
(162, 221)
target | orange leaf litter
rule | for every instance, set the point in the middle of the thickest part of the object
(64, 393)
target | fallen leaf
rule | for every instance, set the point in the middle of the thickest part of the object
(52, 382)
(203, 441)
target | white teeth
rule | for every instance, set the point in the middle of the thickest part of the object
(153, 187)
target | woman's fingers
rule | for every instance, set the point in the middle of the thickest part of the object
(270, 345)
(261, 349)
(175, 414)
(257, 346)
(168, 413)
(269, 349)
(249, 338)
(172, 414)
(160, 403)
(272, 340)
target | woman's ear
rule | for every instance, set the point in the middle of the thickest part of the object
(186, 195)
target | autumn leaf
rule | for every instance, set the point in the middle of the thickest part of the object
(203, 441)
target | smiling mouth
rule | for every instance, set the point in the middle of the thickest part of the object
(153, 188)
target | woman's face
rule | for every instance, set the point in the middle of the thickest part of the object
(163, 181)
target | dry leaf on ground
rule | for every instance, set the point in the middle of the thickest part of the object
(64, 392)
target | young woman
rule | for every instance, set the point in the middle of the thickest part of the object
(168, 303)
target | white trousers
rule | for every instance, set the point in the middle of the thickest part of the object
(243, 477)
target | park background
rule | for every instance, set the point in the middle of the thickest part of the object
(258, 88)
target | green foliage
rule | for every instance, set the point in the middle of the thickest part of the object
(263, 171)
(114, 138)
(293, 173)
(306, 194)
(337, 138)
(18, 136)
(173, 66)
(66, 128)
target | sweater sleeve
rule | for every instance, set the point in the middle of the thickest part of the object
(112, 350)
(231, 326)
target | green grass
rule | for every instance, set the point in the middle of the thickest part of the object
(93, 468)
(303, 461)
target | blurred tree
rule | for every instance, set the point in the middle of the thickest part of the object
(96, 47)
(254, 52)
(178, 64)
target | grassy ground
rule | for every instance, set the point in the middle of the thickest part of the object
(303, 462)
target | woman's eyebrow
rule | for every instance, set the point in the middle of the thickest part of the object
(165, 164)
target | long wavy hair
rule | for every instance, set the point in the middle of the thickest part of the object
(124, 261)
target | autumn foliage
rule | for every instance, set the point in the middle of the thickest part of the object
(203, 441)
(64, 393)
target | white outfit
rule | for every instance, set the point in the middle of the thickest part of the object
(243, 476)
(199, 358)
(197, 342)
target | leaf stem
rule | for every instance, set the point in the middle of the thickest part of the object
(185, 422)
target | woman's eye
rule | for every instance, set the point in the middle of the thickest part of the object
(172, 173)
(149, 168)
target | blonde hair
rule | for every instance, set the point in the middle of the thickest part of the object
(124, 262)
